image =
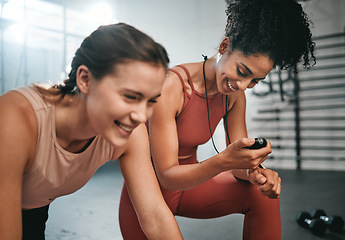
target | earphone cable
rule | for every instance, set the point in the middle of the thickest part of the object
(208, 110)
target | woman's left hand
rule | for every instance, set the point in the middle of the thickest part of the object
(268, 181)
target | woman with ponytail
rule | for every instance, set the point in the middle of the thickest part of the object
(53, 140)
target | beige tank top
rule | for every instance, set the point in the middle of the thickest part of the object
(55, 171)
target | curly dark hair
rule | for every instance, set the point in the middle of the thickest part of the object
(278, 28)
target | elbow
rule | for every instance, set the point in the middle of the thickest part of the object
(152, 224)
(168, 182)
(172, 184)
(170, 187)
(149, 228)
(172, 179)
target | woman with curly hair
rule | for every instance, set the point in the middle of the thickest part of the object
(52, 140)
(260, 34)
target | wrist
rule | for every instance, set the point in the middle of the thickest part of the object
(220, 162)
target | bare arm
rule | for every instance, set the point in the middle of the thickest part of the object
(268, 180)
(155, 218)
(17, 144)
(164, 145)
(237, 129)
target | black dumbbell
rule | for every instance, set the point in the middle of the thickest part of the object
(316, 226)
(335, 223)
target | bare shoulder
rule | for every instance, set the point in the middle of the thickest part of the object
(19, 126)
(172, 81)
(137, 145)
(194, 70)
(237, 98)
(14, 104)
(172, 94)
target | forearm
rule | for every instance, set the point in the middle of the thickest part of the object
(182, 177)
(161, 225)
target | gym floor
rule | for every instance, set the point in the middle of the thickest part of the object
(91, 212)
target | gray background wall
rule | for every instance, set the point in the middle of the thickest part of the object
(33, 48)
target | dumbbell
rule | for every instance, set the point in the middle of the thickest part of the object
(316, 226)
(335, 223)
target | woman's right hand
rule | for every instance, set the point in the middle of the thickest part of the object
(236, 156)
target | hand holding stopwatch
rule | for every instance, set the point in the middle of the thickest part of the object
(259, 143)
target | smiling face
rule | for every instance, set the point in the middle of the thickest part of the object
(237, 72)
(120, 101)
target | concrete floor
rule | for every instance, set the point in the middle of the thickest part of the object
(92, 212)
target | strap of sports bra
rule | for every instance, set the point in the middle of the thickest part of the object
(188, 76)
(180, 77)
(186, 94)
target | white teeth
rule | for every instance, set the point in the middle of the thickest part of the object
(229, 85)
(124, 127)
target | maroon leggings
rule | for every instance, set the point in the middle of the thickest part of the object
(220, 196)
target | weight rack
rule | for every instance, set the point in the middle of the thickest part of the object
(303, 113)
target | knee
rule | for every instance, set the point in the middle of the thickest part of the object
(255, 199)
